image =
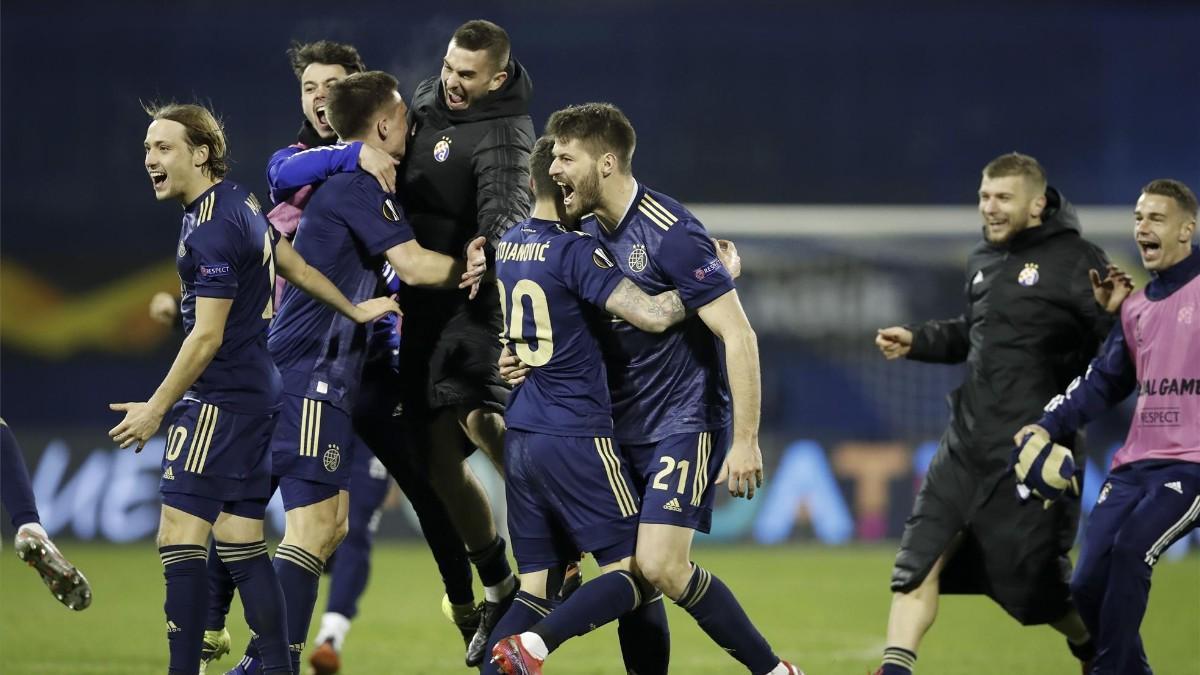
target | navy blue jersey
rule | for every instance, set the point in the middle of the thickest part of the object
(553, 286)
(347, 225)
(227, 250)
(672, 382)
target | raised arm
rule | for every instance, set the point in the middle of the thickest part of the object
(940, 341)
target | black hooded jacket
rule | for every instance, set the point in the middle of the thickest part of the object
(1031, 326)
(466, 172)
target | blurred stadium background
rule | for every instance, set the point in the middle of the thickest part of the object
(839, 144)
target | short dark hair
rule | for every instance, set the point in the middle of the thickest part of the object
(1169, 187)
(602, 126)
(201, 127)
(355, 100)
(539, 168)
(483, 34)
(1017, 164)
(304, 54)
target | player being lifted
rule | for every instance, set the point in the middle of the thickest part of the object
(1151, 498)
(465, 176)
(230, 388)
(349, 226)
(317, 66)
(684, 422)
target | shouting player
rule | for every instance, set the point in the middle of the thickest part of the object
(685, 422)
(348, 228)
(229, 386)
(1151, 497)
(568, 489)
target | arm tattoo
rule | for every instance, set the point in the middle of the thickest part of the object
(631, 303)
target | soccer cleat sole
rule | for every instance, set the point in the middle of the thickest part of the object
(66, 583)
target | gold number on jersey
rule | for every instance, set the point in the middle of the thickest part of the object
(269, 260)
(669, 465)
(542, 331)
(176, 436)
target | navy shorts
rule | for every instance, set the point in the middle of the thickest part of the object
(216, 455)
(209, 509)
(313, 442)
(567, 494)
(675, 477)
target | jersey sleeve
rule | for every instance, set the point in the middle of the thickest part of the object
(290, 169)
(689, 258)
(1109, 379)
(588, 270)
(374, 216)
(215, 259)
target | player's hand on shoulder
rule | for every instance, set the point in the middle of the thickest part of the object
(476, 266)
(380, 165)
(728, 255)
(140, 423)
(164, 308)
(512, 370)
(894, 342)
(369, 310)
(1112, 290)
(742, 469)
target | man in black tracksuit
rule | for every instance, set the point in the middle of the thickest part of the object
(466, 174)
(1031, 325)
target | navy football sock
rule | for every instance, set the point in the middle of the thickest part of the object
(646, 638)
(187, 591)
(220, 590)
(712, 605)
(525, 611)
(299, 574)
(898, 661)
(596, 603)
(15, 489)
(492, 563)
(262, 600)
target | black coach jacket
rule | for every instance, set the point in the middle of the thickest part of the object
(466, 172)
(1030, 327)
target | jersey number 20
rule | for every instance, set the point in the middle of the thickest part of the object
(515, 322)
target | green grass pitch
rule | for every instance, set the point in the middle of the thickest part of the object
(823, 608)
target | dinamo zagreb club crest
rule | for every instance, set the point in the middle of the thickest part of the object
(1029, 275)
(638, 258)
(332, 458)
(442, 149)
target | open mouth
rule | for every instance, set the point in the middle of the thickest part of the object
(320, 113)
(158, 178)
(1149, 248)
(455, 98)
(568, 193)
